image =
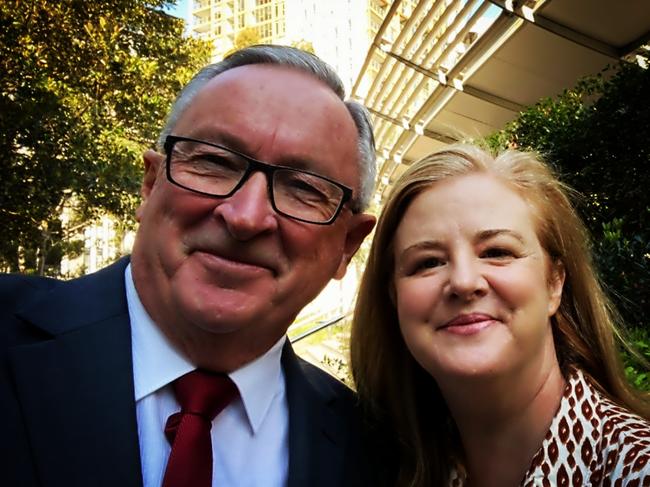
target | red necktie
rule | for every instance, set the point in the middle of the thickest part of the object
(202, 395)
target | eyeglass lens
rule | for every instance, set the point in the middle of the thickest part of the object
(217, 171)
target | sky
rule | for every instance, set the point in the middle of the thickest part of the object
(178, 10)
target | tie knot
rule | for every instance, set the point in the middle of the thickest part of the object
(204, 393)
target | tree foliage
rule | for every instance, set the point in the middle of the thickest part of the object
(247, 36)
(597, 135)
(84, 88)
(305, 45)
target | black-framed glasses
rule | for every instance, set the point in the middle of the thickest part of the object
(213, 170)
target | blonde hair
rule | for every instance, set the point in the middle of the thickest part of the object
(395, 388)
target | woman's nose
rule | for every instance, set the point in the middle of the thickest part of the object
(466, 280)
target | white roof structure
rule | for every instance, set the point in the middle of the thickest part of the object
(464, 68)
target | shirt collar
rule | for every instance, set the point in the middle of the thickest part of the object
(259, 382)
(156, 363)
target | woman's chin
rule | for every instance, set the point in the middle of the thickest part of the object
(470, 369)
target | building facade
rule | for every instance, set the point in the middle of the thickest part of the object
(340, 31)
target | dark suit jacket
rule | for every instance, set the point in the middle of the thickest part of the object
(67, 397)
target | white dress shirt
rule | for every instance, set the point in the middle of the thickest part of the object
(250, 443)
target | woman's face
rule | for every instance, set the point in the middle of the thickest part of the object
(474, 289)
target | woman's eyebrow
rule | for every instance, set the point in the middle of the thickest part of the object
(493, 232)
(421, 245)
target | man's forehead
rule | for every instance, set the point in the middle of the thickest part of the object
(278, 115)
(282, 91)
(259, 75)
(247, 107)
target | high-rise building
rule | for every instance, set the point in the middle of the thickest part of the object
(340, 31)
(220, 20)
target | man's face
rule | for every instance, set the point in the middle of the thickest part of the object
(232, 269)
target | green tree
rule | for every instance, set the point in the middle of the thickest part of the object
(304, 45)
(248, 36)
(84, 89)
(597, 135)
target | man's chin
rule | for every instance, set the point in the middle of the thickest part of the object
(222, 314)
(222, 327)
(219, 310)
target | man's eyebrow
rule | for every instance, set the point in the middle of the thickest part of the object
(493, 232)
(225, 139)
(233, 142)
(303, 163)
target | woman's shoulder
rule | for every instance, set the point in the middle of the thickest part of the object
(592, 441)
(621, 438)
(621, 426)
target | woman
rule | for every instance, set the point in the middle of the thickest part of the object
(482, 339)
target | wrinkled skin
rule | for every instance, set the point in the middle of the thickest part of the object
(224, 278)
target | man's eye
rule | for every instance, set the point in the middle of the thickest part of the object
(302, 187)
(212, 165)
(219, 161)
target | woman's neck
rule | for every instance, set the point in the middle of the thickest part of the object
(504, 421)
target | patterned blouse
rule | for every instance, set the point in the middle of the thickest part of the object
(591, 441)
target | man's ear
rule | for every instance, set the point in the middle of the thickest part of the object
(555, 286)
(152, 162)
(359, 226)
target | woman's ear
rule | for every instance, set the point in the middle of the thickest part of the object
(392, 293)
(555, 286)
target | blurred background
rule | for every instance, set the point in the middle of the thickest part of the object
(85, 87)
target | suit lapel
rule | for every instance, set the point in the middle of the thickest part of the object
(76, 390)
(318, 433)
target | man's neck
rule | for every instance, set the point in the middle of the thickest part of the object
(221, 352)
(226, 351)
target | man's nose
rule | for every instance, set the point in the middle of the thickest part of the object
(466, 281)
(248, 213)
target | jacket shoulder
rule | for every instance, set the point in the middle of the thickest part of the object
(324, 381)
(17, 288)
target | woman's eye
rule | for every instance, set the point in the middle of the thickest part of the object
(428, 263)
(496, 253)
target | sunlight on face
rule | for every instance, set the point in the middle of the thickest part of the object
(471, 280)
(233, 267)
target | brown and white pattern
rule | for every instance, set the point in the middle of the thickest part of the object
(591, 442)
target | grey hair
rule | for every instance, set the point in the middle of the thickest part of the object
(302, 61)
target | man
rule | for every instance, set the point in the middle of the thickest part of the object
(253, 203)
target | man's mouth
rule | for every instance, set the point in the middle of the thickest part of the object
(232, 263)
